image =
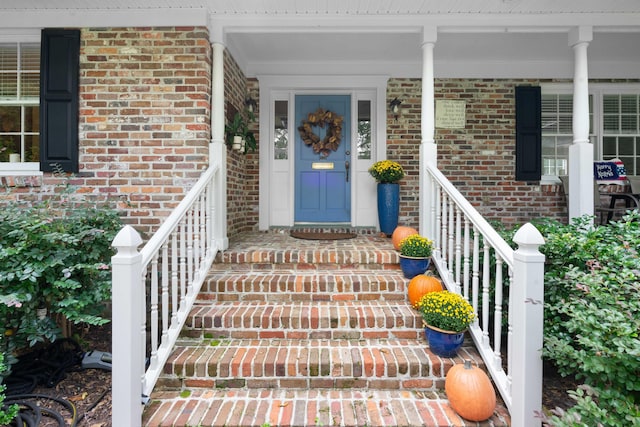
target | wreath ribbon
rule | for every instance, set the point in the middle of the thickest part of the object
(322, 118)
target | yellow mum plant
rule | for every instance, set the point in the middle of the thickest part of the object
(446, 310)
(386, 171)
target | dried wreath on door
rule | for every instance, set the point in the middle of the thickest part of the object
(331, 140)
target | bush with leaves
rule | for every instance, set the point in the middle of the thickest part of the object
(7, 412)
(58, 260)
(592, 327)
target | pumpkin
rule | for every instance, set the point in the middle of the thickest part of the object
(420, 285)
(400, 233)
(470, 392)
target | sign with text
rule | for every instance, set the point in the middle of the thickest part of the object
(609, 170)
(450, 114)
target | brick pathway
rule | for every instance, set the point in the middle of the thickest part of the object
(291, 332)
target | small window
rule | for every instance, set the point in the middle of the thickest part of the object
(364, 130)
(281, 131)
(19, 102)
(621, 130)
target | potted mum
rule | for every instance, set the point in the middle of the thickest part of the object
(446, 316)
(387, 173)
(415, 251)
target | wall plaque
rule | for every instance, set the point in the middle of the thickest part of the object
(450, 114)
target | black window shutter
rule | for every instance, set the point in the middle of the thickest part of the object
(528, 133)
(59, 74)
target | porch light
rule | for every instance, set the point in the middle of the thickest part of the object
(250, 103)
(394, 106)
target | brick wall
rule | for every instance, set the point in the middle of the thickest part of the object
(242, 169)
(479, 159)
(144, 121)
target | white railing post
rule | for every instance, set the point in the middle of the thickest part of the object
(128, 360)
(527, 309)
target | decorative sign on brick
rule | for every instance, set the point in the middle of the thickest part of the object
(612, 170)
(450, 114)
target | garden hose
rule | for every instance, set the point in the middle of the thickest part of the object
(45, 367)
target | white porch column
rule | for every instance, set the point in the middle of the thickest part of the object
(428, 148)
(217, 148)
(581, 151)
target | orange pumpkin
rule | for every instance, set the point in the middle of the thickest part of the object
(400, 233)
(420, 285)
(470, 392)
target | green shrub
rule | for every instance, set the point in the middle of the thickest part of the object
(7, 413)
(592, 327)
(54, 259)
(597, 407)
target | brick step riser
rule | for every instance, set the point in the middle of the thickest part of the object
(309, 258)
(344, 316)
(407, 365)
(287, 371)
(291, 287)
(265, 267)
(202, 334)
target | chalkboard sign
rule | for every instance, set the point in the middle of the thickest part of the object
(607, 171)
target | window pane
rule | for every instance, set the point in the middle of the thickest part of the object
(364, 130)
(32, 119)
(8, 57)
(9, 144)
(30, 57)
(610, 104)
(629, 104)
(32, 148)
(609, 147)
(9, 85)
(29, 86)
(625, 146)
(281, 131)
(9, 119)
(610, 124)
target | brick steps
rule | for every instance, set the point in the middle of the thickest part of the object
(304, 320)
(289, 332)
(298, 408)
(323, 283)
(301, 364)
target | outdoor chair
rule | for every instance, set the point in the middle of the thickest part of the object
(605, 204)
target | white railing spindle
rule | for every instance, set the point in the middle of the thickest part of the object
(521, 385)
(172, 266)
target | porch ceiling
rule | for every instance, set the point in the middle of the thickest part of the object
(491, 38)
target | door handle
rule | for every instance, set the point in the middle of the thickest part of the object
(346, 168)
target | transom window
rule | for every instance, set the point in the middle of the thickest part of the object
(614, 126)
(19, 102)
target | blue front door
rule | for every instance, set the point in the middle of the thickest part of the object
(322, 181)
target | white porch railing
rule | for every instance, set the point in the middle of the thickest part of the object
(154, 290)
(474, 260)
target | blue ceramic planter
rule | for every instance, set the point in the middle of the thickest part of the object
(388, 207)
(443, 343)
(411, 267)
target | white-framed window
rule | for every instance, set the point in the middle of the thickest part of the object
(614, 125)
(19, 104)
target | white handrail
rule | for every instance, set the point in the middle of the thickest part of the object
(153, 291)
(472, 259)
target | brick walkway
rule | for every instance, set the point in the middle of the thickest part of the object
(291, 332)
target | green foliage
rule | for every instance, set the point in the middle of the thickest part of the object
(58, 259)
(597, 407)
(592, 327)
(239, 126)
(416, 246)
(7, 413)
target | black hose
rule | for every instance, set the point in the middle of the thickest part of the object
(45, 367)
(22, 400)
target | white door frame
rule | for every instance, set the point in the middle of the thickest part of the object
(276, 182)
